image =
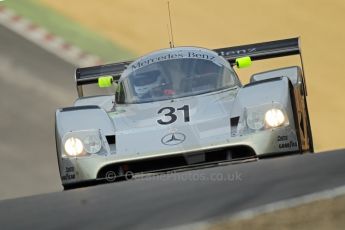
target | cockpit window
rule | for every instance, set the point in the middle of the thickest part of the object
(175, 78)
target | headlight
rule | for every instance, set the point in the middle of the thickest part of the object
(73, 147)
(82, 143)
(274, 118)
(92, 144)
(265, 116)
(255, 120)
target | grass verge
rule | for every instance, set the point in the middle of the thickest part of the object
(71, 31)
(319, 215)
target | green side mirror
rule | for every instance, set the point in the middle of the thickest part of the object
(243, 62)
(105, 81)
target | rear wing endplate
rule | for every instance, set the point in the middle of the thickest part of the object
(257, 51)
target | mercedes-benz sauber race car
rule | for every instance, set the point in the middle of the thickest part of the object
(181, 107)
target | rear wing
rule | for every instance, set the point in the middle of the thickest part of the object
(262, 50)
(257, 51)
(89, 75)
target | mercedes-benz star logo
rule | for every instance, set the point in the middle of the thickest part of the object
(173, 139)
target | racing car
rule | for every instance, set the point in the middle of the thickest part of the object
(180, 107)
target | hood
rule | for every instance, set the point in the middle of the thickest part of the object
(198, 120)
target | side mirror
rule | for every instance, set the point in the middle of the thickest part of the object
(243, 62)
(105, 81)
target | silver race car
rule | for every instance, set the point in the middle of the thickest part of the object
(182, 107)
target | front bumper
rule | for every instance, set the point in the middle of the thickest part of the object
(275, 141)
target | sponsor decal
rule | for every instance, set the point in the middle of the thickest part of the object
(284, 142)
(69, 173)
(69, 169)
(171, 56)
(68, 177)
(237, 52)
(282, 138)
(173, 138)
(288, 145)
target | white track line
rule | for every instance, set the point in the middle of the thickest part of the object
(268, 208)
(46, 40)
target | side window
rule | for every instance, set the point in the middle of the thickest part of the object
(227, 78)
(120, 94)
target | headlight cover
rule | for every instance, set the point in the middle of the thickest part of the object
(92, 143)
(255, 121)
(266, 116)
(82, 143)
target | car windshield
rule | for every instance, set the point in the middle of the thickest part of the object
(177, 78)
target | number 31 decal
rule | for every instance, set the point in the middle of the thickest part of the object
(170, 112)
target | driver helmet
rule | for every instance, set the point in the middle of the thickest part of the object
(145, 82)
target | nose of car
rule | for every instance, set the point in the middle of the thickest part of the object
(174, 125)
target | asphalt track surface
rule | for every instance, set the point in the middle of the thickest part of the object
(33, 83)
(177, 199)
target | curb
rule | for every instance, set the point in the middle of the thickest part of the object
(46, 40)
